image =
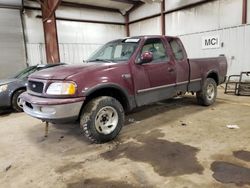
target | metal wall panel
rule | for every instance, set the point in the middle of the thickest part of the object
(12, 56)
(174, 4)
(201, 18)
(76, 53)
(148, 9)
(236, 47)
(89, 14)
(230, 13)
(147, 27)
(77, 40)
(208, 16)
(11, 3)
(36, 53)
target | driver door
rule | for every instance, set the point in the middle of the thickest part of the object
(159, 74)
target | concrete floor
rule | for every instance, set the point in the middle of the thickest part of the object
(175, 143)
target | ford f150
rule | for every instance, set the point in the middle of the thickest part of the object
(120, 76)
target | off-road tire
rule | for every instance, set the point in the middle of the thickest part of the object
(14, 101)
(89, 117)
(205, 97)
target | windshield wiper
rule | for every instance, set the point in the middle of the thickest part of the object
(105, 60)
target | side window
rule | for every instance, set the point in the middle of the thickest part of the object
(157, 48)
(177, 50)
(118, 51)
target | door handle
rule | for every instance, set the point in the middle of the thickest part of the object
(126, 76)
(170, 69)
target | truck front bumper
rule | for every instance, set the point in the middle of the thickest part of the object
(52, 110)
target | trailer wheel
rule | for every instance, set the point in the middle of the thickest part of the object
(16, 101)
(102, 119)
(208, 93)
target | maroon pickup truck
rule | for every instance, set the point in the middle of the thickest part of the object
(120, 76)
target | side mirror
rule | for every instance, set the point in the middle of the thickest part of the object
(146, 57)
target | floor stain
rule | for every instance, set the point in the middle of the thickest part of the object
(100, 183)
(243, 155)
(167, 158)
(70, 166)
(225, 172)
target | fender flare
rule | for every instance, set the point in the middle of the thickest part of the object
(129, 98)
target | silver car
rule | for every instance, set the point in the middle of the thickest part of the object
(12, 88)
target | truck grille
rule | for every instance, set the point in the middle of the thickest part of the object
(35, 86)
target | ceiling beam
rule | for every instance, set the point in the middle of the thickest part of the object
(131, 2)
(136, 6)
(80, 5)
(163, 30)
(244, 11)
(50, 30)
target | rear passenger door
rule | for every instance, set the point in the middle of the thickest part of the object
(182, 66)
(160, 73)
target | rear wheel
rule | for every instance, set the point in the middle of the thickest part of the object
(208, 93)
(102, 119)
(16, 101)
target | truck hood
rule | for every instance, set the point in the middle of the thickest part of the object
(8, 81)
(64, 71)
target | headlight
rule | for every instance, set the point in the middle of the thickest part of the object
(3, 87)
(61, 88)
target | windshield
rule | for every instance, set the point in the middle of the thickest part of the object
(26, 72)
(115, 51)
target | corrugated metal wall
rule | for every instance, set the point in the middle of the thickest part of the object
(236, 47)
(209, 16)
(147, 27)
(77, 40)
(221, 17)
(12, 49)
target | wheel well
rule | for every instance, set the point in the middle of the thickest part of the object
(22, 88)
(214, 76)
(112, 92)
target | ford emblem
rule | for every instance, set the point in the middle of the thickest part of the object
(33, 85)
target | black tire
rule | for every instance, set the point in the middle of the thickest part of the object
(15, 101)
(208, 93)
(99, 117)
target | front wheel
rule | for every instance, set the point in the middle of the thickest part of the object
(208, 93)
(102, 119)
(16, 101)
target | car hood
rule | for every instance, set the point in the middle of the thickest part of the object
(62, 72)
(8, 81)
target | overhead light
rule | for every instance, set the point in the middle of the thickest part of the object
(49, 21)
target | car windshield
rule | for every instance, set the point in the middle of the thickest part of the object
(120, 50)
(25, 73)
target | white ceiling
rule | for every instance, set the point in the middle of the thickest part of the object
(104, 3)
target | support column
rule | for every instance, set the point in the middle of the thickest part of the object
(50, 30)
(127, 24)
(163, 29)
(244, 11)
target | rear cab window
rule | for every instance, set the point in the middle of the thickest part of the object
(177, 49)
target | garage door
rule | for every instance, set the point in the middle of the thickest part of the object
(12, 50)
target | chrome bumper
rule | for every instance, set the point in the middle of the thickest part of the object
(52, 110)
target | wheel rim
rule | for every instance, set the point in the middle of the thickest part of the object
(19, 102)
(106, 120)
(210, 91)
